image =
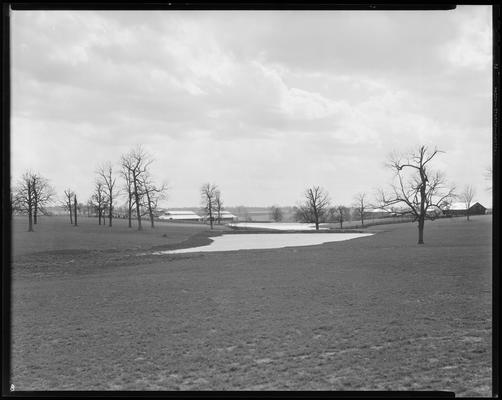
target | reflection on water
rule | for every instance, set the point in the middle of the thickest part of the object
(251, 241)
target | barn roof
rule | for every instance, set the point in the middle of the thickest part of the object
(460, 206)
(178, 212)
(224, 214)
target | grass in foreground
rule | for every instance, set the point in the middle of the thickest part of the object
(376, 313)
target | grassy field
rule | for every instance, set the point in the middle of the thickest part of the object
(375, 313)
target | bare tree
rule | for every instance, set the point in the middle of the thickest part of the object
(466, 196)
(67, 203)
(99, 200)
(151, 195)
(106, 174)
(302, 214)
(416, 187)
(361, 206)
(342, 214)
(208, 199)
(43, 194)
(315, 206)
(276, 214)
(218, 205)
(135, 165)
(24, 198)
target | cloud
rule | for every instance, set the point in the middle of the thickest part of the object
(258, 100)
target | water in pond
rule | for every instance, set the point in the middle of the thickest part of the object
(251, 241)
(280, 226)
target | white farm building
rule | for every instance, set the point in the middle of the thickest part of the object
(225, 216)
(184, 215)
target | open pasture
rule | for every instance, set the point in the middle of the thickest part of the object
(56, 234)
(374, 313)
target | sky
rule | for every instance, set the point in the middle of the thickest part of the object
(261, 103)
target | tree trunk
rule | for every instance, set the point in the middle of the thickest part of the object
(136, 197)
(150, 213)
(421, 224)
(35, 209)
(150, 210)
(30, 211)
(467, 214)
(152, 223)
(71, 212)
(138, 213)
(210, 217)
(110, 211)
(130, 210)
(75, 208)
(30, 220)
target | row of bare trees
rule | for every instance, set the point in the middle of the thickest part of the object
(71, 205)
(316, 208)
(142, 194)
(32, 193)
(416, 190)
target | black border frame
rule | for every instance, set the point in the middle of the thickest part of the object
(240, 5)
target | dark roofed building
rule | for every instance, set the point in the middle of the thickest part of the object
(459, 209)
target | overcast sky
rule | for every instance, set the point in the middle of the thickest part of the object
(262, 103)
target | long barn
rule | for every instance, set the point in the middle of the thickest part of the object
(184, 215)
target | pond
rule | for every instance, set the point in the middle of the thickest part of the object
(251, 241)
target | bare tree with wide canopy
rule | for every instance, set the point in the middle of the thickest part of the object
(32, 193)
(315, 206)
(43, 194)
(99, 200)
(416, 187)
